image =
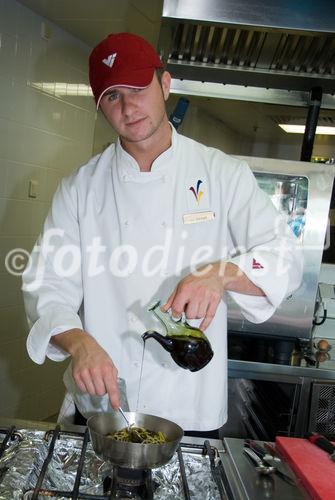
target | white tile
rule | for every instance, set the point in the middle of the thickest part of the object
(16, 359)
(3, 176)
(7, 54)
(13, 324)
(10, 394)
(18, 177)
(22, 53)
(31, 393)
(9, 16)
(9, 139)
(10, 101)
(53, 178)
(12, 246)
(33, 145)
(50, 402)
(10, 292)
(148, 9)
(43, 138)
(39, 213)
(24, 18)
(140, 24)
(16, 217)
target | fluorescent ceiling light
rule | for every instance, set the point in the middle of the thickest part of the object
(60, 89)
(300, 129)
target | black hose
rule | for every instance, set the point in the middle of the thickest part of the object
(323, 319)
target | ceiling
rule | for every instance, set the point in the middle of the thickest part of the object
(90, 21)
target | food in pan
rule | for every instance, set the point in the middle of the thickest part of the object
(138, 435)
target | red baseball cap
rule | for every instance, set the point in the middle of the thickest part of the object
(122, 60)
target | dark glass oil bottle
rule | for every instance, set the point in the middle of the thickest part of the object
(189, 347)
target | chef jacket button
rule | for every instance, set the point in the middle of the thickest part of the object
(125, 177)
(136, 363)
(126, 223)
(164, 178)
(163, 223)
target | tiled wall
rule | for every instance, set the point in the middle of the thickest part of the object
(42, 138)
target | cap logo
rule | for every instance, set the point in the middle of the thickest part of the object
(109, 61)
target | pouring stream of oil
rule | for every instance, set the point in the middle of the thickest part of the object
(139, 384)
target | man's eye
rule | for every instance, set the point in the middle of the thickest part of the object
(113, 96)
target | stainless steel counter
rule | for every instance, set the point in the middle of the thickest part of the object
(248, 484)
(277, 373)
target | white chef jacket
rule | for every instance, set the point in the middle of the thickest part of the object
(195, 206)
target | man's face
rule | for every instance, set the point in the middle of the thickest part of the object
(136, 114)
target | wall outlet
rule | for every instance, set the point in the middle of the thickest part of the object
(33, 189)
(46, 31)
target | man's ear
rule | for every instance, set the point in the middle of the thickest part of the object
(166, 83)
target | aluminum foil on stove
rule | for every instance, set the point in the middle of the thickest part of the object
(22, 461)
(63, 468)
(20, 464)
(199, 479)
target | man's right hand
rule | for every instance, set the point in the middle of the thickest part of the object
(93, 370)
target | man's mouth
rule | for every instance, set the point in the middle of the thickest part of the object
(135, 122)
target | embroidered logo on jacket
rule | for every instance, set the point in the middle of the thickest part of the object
(196, 191)
(109, 61)
(256, 265)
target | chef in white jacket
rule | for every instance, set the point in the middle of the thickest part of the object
(155, 216)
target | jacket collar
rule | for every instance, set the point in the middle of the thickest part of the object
(129, 168)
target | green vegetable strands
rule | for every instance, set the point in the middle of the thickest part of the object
(138, 435)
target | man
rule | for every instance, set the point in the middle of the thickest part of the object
(156, 215)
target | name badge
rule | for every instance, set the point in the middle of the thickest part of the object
(195, 217)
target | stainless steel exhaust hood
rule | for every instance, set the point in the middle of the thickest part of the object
(277, 44)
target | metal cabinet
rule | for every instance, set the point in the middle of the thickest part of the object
(270, 400)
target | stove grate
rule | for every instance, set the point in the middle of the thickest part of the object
(9, 434)
(216, 468)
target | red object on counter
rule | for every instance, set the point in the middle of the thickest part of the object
(311, 465)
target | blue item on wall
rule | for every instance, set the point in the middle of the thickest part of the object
(179, 112)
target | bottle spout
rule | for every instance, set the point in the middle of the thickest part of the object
(165, 342)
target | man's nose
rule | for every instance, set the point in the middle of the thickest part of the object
(128, 103)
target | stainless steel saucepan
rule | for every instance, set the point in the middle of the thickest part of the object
(133, 455)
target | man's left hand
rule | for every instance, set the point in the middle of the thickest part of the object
(198, 295)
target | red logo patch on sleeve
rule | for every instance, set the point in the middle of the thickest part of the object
(256, 265)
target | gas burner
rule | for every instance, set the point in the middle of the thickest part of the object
(130, 484)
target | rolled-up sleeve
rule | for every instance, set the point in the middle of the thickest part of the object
(265, 248)
(52, 282)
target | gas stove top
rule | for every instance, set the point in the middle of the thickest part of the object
(39, 460)
(62, 464)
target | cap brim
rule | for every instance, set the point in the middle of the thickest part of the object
(136, 79)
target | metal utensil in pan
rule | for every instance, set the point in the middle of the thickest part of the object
(133, 455)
